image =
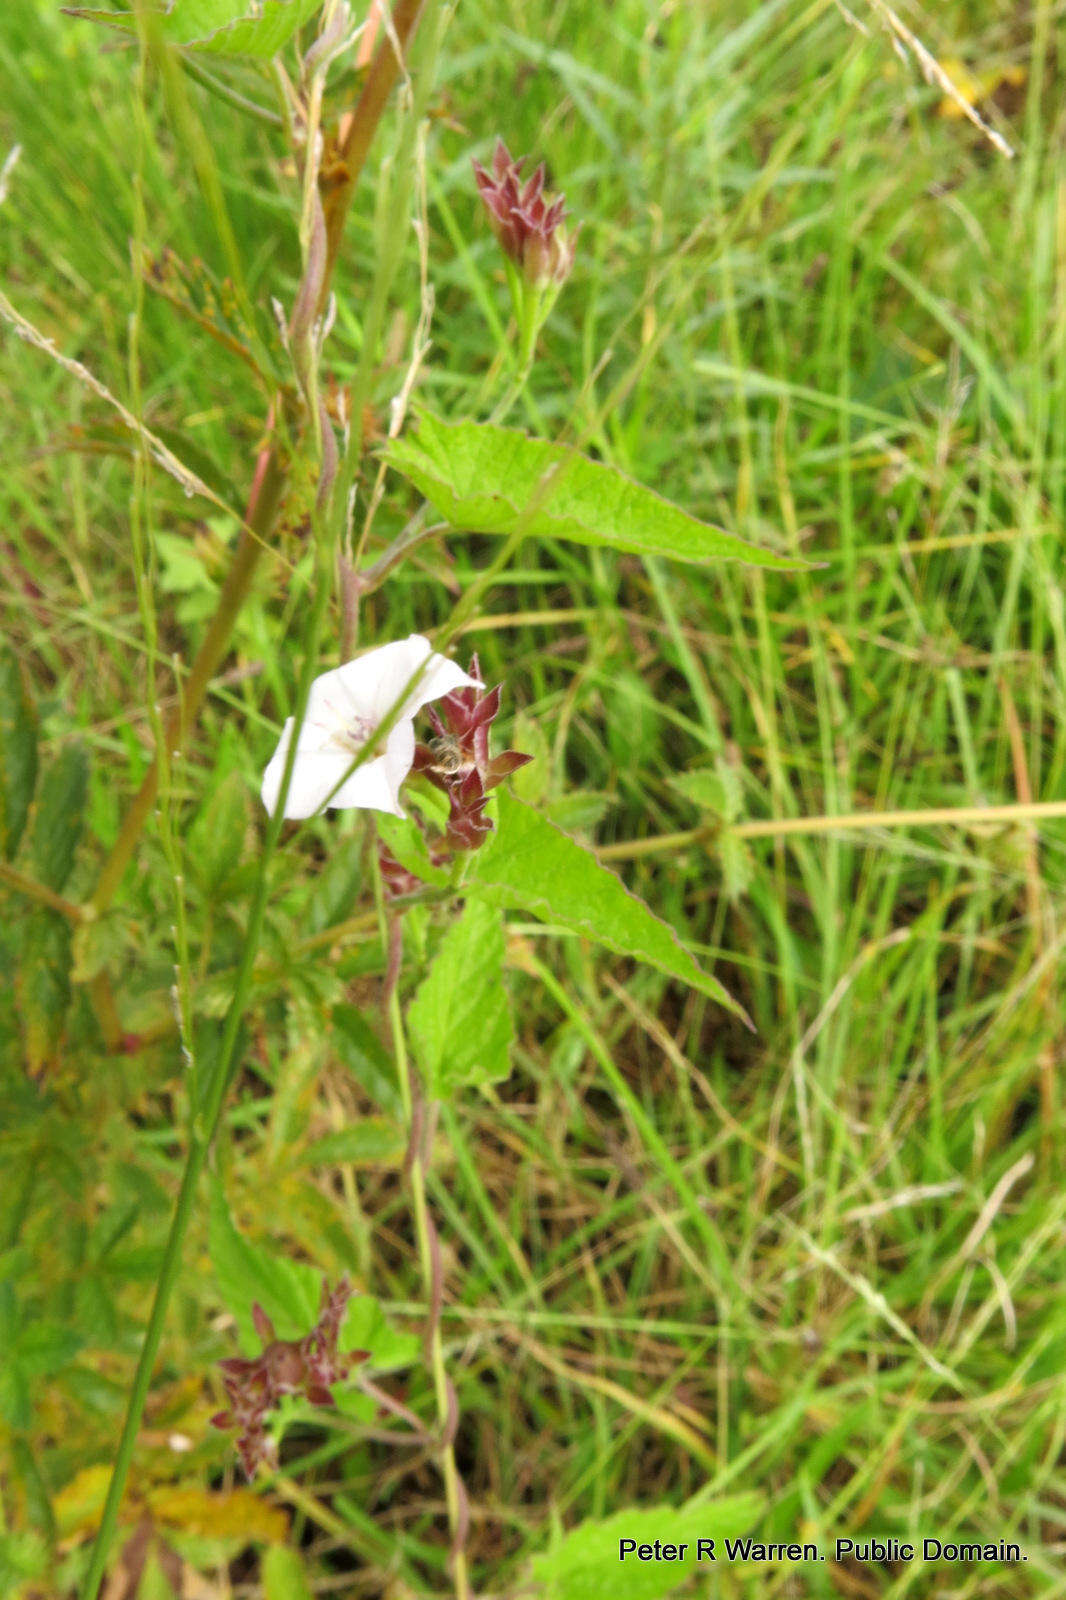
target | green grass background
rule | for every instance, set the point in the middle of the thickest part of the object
(838, 325)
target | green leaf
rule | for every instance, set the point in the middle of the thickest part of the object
(717, 789)
(529, 865)
(60, 814)
(494, 480)
(366, 1328)
(39, 1512)
(578, 810)
(366, 1058)
(584, 1564)
(288, 1291)
(336, 888)
(16, 1406)
(18, 752)
(216, 837)
(371, 1142)
(224, 27)
(404, 840)
(283, 1575)
(530, 783)
(738, 867)
(45, 1347)
(460, 1019)
(42, 985)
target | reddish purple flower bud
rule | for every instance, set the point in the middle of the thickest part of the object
(396, 880)
(457, 760)
(263, 1325)
(308, 1367)
(527, 225)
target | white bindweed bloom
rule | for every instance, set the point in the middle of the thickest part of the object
(345, 708)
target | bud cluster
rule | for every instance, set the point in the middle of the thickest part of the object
(457, 761)
(307, 1366)
(525, 222)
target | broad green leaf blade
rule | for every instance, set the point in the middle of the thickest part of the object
(18, 752)
(529, 865)
(460, 1019)
(60, 814)
(288, 1291)
(42, 985)
(494, 480)
(585, 1564)
(224, 27)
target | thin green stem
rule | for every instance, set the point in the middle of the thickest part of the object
(429, 1259)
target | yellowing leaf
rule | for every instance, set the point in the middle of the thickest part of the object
(976, 86)
(232, 1514)
(77, 1506)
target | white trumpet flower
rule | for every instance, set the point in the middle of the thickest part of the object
(345, 709)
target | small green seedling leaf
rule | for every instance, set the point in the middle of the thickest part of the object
(585, 1564)
(60, 814)
(18, 752)
(529, 865)
(714, 789)
(495, 480)
(460, 1018)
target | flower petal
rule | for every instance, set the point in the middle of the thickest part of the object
(371, 787)
(399, 755)
(439, 677)
(314, 774)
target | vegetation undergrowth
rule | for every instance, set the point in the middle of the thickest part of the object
(756, 1234)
